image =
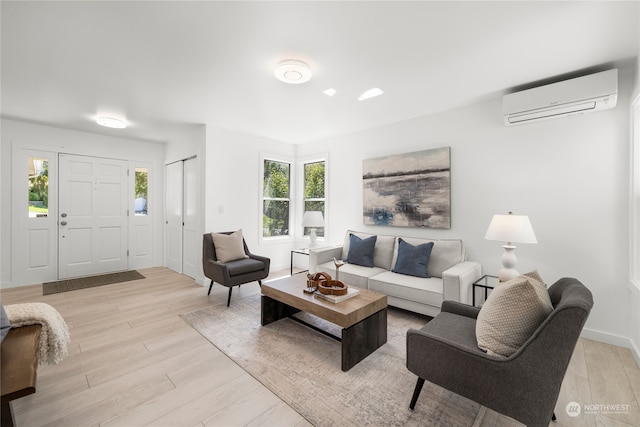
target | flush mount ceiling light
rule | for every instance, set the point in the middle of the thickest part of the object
(110, 122)
(330, 92)
(293, 71)
(371, 93)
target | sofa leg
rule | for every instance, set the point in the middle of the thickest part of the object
(416, 393)
(210, 286)
(553, 416)
(229, 297)
(260, 283)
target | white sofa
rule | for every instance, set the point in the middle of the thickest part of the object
(451, 275)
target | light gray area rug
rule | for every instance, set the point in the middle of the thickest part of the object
(302, 367)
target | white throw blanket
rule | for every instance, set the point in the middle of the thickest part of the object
(54, 335)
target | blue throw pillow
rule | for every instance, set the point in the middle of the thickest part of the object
(412, 260)
(361, 250)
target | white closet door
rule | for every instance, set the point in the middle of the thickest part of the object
(173, 216)
(192, 241)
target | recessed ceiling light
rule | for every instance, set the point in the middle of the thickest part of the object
(371, 93)
(330, 92)
(293, 71)
(110, 122)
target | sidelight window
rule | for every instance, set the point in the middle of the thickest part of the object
(38, 187)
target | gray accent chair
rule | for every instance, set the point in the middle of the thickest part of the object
(523, 386)
(234, 273)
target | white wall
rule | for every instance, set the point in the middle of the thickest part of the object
(569, 175)
(17, 135)
(634, 288)
(233, 180)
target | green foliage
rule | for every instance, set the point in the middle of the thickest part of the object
(39, 186)
(314, 180)
(141, 183)
(276, 179)
(276, 184)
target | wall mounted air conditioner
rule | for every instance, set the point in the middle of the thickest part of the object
(594, 92)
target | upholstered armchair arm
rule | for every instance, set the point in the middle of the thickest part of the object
(216, 271)
(321, 255)
(461, 309)
(264, 259)
(458, 281)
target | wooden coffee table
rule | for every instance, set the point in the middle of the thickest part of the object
(363, 318)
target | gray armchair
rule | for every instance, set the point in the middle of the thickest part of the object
(523, 386)
(234, 273)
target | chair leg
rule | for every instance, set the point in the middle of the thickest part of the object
(210, 286)
(229, 297)
(416, 393)
(260, 283)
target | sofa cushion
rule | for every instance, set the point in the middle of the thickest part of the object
(351, 274)
(445, 254)
(412, 260)
(512, 313)
(382, 252)
(424, 290)
(361, 250)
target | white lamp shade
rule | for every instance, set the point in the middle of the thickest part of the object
(511, 228)
(313, 219)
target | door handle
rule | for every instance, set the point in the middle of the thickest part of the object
(63, 223)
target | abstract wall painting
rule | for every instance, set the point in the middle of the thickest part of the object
(408, 190)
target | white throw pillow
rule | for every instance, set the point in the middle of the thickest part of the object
(229, 247)
(512, 313)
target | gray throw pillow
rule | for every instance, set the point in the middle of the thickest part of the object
(412, 260)
(361, 250)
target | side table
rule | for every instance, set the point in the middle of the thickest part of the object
(486, 282)
(304, 251)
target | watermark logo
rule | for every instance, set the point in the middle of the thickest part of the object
(573, 409)
(606, 408)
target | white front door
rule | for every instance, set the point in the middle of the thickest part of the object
(92, 219)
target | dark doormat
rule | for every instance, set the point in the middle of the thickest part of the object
(49, 288)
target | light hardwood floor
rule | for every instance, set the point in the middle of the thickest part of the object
(134, 362)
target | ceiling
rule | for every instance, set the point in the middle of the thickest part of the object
(169, 66)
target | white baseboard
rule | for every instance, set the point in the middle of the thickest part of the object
(613, 339)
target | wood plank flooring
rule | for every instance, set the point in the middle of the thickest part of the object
(134, 362)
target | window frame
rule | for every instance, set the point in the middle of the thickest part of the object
(290, 236)
(300, 208)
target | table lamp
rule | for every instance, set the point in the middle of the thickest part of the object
(313, 220)
(511, 229)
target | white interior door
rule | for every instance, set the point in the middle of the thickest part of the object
(92, 222)
(192, 242)
(174, 186)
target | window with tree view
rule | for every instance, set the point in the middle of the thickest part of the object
(276, 198)
(314, 194)
(142, 185)
(38, 187)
